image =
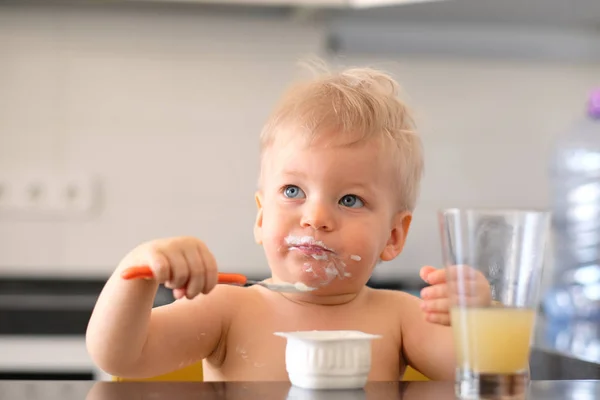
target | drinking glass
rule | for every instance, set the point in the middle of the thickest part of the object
(494, 261)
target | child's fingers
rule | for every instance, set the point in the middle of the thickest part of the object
(435, 292)
(471, 301)
(180, 272)
(435, 276)
(462, 273)
(425, 271)
(211, 271)
(471, 288)
(474, 289)
(484, 293)
(196, 267)
(159, 264)
(179, 293)
(438, 318)
(437, 305)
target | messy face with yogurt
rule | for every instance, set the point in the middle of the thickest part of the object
(329, 209)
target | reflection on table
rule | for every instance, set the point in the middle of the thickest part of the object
(89, 390)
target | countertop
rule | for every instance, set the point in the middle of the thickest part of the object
(89, 390)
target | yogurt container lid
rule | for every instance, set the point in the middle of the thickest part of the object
(327, 336)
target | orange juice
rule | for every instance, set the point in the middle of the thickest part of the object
(493, 340)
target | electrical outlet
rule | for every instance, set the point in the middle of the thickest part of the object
(8, 196)
(45, 194)
(4, 192)
(77, 194)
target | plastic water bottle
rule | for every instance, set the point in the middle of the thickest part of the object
(575, 180)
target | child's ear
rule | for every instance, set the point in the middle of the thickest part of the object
(259, 219)
(395, 244)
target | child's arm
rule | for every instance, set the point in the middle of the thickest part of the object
(427, 347)
(428, 342)
(127, 338)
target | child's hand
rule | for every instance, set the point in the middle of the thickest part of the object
(437, 298)
(183, 264)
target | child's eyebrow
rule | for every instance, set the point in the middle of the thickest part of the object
(292, 172)
(359, 185)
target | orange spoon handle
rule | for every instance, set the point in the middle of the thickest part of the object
(144, 272)
(232, 279)
(141, 272)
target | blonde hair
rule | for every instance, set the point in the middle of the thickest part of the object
(355, 104)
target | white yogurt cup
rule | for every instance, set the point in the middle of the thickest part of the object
(328, 359)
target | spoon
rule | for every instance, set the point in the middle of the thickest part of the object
(145, 272)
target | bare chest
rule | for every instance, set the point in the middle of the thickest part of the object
(253, 353)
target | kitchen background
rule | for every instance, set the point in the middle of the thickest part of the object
(125, 121)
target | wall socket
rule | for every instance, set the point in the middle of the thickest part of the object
(46, 194)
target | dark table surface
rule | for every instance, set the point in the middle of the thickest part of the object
(89, 390)
(549, 364)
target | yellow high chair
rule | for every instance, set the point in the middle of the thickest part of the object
(194, 373)
(412, 374)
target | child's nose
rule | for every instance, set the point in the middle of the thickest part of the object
(318, 217)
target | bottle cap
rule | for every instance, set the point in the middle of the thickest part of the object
(594, 104)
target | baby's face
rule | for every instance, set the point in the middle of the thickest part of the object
(327, 214)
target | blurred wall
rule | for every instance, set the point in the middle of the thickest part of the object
(164, 105)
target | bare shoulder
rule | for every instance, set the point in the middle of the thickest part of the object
(403, 306)
(396, 297)
(399, 305)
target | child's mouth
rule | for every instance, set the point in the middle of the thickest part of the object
(311, 250)
(309, 246)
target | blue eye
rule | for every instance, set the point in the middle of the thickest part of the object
(293, 192)
(351, 201)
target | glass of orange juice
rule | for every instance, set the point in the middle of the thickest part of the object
(494, 261)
